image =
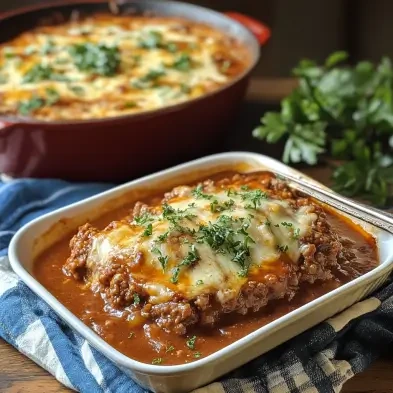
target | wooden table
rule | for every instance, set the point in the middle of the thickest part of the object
(19, 374)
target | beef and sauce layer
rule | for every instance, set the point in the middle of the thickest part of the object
(177, 277)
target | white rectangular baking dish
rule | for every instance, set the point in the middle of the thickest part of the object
(33, 237)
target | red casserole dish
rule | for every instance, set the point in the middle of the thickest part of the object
(119, 148)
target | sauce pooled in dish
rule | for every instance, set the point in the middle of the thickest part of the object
(178, 276)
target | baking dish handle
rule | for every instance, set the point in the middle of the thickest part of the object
(259, 29)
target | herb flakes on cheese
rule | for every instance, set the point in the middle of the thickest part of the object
(100, 64)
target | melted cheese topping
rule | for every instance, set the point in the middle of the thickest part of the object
(111, 65)
(175, 248)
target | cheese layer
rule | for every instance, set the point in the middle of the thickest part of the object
(113, 65)
(200, 242)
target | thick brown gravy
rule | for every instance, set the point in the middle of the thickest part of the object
(151, 344)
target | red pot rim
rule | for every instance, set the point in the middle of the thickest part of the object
(12, 120)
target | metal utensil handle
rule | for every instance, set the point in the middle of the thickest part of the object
(371, 215)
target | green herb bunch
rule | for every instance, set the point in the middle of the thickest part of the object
(344, 112)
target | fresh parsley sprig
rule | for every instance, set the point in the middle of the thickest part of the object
(345, 112)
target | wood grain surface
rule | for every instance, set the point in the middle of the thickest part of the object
(19, 374)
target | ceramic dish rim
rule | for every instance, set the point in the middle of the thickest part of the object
(170, 370)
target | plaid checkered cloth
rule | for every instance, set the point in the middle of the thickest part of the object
(319, 360)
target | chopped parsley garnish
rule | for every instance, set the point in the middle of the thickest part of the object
(163, 259)
(9, 53)
(168, 212)
(215, 207)
(296, 233)
(228, 236)
(199, 194)
(229, 204)
(267, 223)
(37, 102)
(162, 238)
(143, 219)
(218, 234)
(137, 299)
(170, 349)
(225, 66)
(157, 361)
(151, 40)
(96, 58)
(130, 104)
(38, 73)
(190, 258)
(183, 62)
(149, 79)
(61, 60)
(29, 50)
(185, 88)
(232, 192)
(286, 224)
(253, 196)
(60, 78)
(191, 342)
(155, 40)
(174, 216)
(48, 47)
(31, 105)
(197, 354)
(77, 90)
(148, 231)
(199, 282)
(172, 47)
(277, 225)
(52, 96)
(283, 248)
(153, 75)
(137, 59)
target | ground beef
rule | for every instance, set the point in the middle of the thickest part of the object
(118, 286)
(253, 296)
(320, 250)
(171, 316)
(324, 255)
(180, 191)
(139, 209)
(80, 246)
